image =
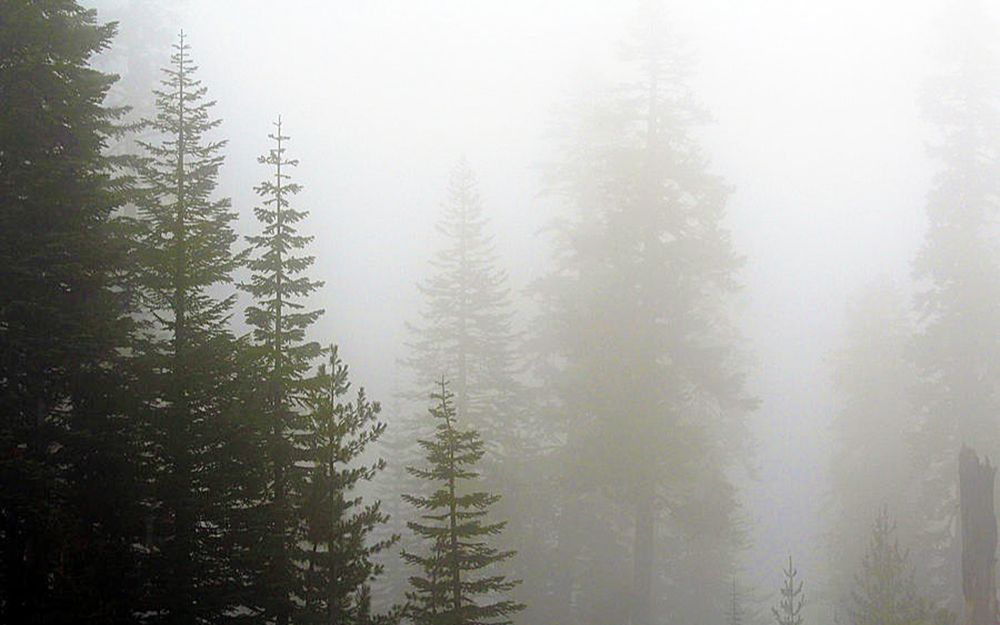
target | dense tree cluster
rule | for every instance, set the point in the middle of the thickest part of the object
(177, 445)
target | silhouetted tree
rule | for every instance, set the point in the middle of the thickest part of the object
(278, 285)
(190, 357)
(457, 583)
(69, 515)
(340, 551)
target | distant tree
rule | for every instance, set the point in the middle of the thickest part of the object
(885, 592)
(465, 330)
(957, 346)
(636, 342)
(457, 583)
(340, 550)
(69, 490)
(189, 357)
(789, 608)
(871, 461)
(278, 285)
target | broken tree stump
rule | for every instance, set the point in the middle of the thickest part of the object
(979, 538)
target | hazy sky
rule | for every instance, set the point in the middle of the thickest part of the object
(817, 128)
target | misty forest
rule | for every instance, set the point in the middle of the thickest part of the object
(499, 313)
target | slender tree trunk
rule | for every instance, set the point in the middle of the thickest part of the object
(643, 548)
(979, 538)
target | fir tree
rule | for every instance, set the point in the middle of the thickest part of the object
(637, 344)
(466, 323)
(455, 585)
(66, 531)
(340, 557)
(278, 286)
(957, 344)
(885, 592)
(465, 330)
(190, 356)
(789, 608)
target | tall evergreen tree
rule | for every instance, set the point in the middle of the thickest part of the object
(457, 583)
(465, 331)
(636, 341)
(190, 355)
(340, 554)
(789, 608)
(885, 591)
(957, 347)
(68, 496)
(278, 285)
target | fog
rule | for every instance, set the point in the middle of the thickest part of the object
(816, 124)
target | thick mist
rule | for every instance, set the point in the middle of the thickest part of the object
(827, 135)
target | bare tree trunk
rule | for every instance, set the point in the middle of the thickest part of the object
(979, 538)
(643, 549)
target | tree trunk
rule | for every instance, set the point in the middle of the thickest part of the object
(979, 538)
(643, 549)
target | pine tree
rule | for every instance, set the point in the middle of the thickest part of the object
(871, 463)
(637, 342)
(278, 286)
(466, 322)
(66, 530)
(957, 347)
(465, 330)
(340, 556)
(789, 608)
(456, 585)
(191, 358)
(885, 592)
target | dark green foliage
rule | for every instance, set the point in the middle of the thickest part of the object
(190, 357)
(789, 608)
(457, 583)
(340, 552)
(68, 488)
(279, 323)
(885, 592)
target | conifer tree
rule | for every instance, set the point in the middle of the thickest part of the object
(789, 608)
(885, 592)
(636, 341)
(457, 583)
(278, 286)
(465, 329)
(190, 355)
(66, 531)
(340, 555)
(957, 344)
